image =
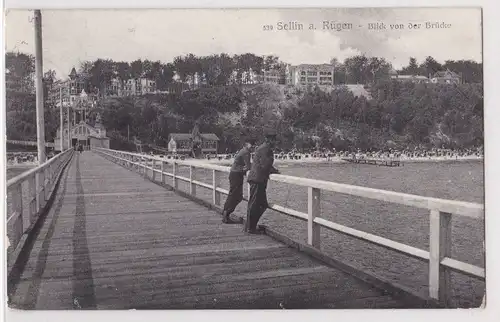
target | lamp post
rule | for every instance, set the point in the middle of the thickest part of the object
(61, 121)
(69, 126)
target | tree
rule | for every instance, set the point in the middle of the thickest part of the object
(356, 69)
(136, 69)
(335, 62)
(270, 62)
(147, 69)
(430, 66)
(412, 68)
(101, 73)
(123, 71)
(377, 69)
(165, 78)
(19, 71)
(49, 77)
(85, 67)
(245, 65)
(471, 71)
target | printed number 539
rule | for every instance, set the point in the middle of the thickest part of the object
(267, 27)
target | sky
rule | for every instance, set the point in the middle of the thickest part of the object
(73, 36)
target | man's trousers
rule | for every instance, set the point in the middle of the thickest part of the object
(235, 195)
(257, 204)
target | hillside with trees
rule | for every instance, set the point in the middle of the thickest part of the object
(398, 114)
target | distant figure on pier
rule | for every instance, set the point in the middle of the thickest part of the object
(258, 177)
(239, 169)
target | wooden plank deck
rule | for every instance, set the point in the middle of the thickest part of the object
(114, 240)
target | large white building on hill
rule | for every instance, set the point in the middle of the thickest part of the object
(321, 75)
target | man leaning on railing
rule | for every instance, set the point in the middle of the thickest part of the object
(239, 168)
(258, 177)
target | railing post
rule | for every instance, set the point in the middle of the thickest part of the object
(153, 174)
(32, 198)
(192, 177)
(174, 176)
(39, 190)
(162, 168)
(439, 248)
(17, 207)
(45, 185)
(216, 183)
(314, 210)
(51, 176)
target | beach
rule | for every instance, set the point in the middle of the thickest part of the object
(337, 160)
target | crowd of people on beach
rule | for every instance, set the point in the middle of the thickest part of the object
(25, 158)
(14, 158)
(395, 154)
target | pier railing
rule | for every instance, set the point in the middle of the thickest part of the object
(440, 213)
(27, 195)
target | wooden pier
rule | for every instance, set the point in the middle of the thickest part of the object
(87, 233)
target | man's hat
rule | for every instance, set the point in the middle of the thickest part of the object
(250, 139)
(270, 133)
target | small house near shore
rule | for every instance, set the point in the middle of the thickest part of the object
(193, 143)
(446, 77)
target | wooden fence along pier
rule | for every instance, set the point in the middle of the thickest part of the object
(150, 247)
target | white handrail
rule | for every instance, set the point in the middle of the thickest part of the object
(467, 209)
(440, 212)
(24, 208)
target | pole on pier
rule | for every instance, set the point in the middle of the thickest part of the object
(40, 123)
(61, 131)
(69, 128)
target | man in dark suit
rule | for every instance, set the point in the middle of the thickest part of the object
(239, 169)
(262, 167)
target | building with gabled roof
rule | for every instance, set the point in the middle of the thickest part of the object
(83, 134)
(193, 143)
(446, 77)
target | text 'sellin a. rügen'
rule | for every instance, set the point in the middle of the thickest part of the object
(299, 26)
